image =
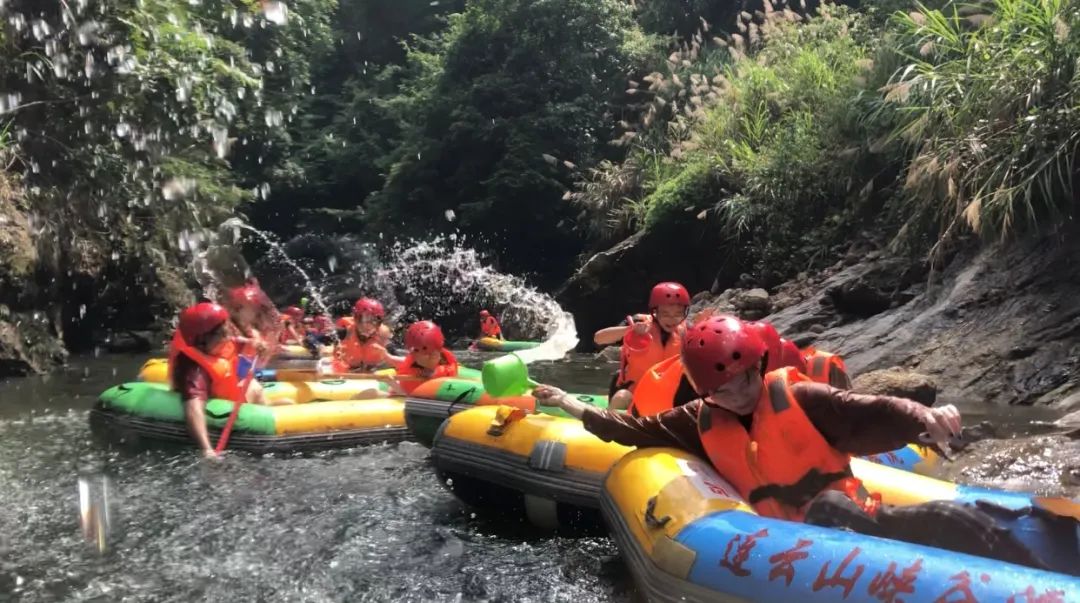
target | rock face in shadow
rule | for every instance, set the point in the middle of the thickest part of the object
(616, 282)
(999, 325)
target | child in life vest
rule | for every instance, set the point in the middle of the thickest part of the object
(364, 340)
(489, 326)
(292, 325)
(253, 328)
(203, 365)
(785, 443)
(428, 357)
(651, 339)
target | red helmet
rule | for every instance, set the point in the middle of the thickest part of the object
(200, 319)
(294, 312)
(423, 336)
(718, 349)
(668, 293)
(366, 305)
(246, 295)
(771, 338)
(484, 314)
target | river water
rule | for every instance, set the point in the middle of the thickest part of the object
(367, 524)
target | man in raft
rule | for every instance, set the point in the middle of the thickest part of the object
(428, 357)
(652, 338)
(364, 342)
(489, 326)
(203, 364)
(785, 443)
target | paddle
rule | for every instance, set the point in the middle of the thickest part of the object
(223, 441)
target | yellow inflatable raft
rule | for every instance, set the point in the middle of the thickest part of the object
(150, 411)
(687, 536)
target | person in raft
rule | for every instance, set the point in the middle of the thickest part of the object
(203, 365)
(292, 325)
(365, 340)
(652, 339)
(253, 324)
(428, 357)
(664, 385)
(489, 326)
(785, 444)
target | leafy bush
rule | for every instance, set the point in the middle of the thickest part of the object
(986, 103)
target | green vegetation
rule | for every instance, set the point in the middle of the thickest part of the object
(542, 129)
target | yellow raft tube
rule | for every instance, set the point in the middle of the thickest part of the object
(555, 469)
(687, 536)
(150, 411)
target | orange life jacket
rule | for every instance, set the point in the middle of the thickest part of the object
(636, 363)
(655, 390)
(408, 368)
(790, 355)
(783, 462)
(826, 368)
(489, 327)
(356, 353)
(224, 379)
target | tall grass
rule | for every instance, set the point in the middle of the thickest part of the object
(986, 102)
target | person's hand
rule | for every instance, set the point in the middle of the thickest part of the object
(548, 395)
(942, 423)
(642, 328)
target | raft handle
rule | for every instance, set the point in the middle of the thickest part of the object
(650, 515)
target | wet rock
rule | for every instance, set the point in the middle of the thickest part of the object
(1045, 464)
(897, 381)
(28, 346)
(132, 342)
(1070, 422)
(858, 299)
(616, 281)
(961, 322)
(754, 300)
(611, 353)
(816, 328)
(1070, 403)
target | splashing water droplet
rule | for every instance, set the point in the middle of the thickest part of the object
(275, 12)
(450, 215)
(274, 118)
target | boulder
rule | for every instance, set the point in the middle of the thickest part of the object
(754, 300)
(899, 382)
(610, 353)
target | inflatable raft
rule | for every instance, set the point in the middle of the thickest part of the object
(156, 370)
(138, 411)
(687, 536)
(434, 401)
(553, 462)
(491, 344)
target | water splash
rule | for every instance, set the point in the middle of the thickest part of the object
(444, 277)
(236, 225)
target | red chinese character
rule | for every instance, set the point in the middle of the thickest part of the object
(893, 457)
(741, 553)
(887, 586)
(1050, 596)
(784, 560)
(838, 579)
(962, 587)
